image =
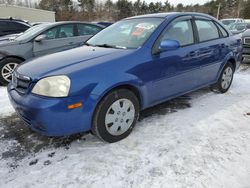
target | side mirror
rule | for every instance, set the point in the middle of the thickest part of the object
(40, 38)
(169, 44)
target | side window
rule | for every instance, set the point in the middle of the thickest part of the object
(222, 30)
(16, 26)
(66, 31)
(11, 26)
(206, 30)
(3, 26)
(181, 31)
(52, 33)
(62, 31)
(85, 29)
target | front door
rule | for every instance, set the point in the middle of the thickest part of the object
(59, 38)
(178, 69)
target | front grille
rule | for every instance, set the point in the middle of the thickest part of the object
(20, 83)
(247, 40)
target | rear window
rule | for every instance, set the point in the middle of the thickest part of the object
(207, 30)
(86, 29)
(222, 30)
(18, 25)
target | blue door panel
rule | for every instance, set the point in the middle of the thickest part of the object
(179, 71)
(211, 56)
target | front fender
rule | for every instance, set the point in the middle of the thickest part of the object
(3, 55)
(108, 84)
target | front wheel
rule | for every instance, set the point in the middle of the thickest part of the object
(225, 79)
(116, 115)
(7, 66)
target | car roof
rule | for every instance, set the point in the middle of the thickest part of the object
(11, 19)
(166, 14)
(232, 19)
(15, 20)
(71, 22)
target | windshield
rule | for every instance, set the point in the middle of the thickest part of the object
(126, 34)
(31, 32)
(228, 22)
(237, 26)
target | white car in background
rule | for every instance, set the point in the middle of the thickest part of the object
(230, 21)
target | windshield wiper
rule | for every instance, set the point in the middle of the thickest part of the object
(110, 46)
(87, 44)
(106, 45)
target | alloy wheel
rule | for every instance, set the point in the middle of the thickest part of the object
(7, 71)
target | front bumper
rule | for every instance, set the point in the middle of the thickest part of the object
(50, 116)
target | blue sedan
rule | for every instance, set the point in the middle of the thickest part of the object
(134, 64)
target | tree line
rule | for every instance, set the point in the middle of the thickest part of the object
(93, 10)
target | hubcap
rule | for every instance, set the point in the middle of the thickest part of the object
(227, 78)
(119, 117)
(7, 71)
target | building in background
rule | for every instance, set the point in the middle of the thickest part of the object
(24, 13)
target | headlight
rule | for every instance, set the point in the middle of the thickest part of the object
(54, 86)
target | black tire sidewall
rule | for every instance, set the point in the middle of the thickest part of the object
(3, 63)
(99, 117)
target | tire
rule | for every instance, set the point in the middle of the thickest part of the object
(116, 115)
(7, 66)
(225, 79)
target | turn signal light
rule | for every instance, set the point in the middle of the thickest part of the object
(76, 105)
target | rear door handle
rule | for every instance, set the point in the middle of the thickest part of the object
(224, 45)
(193, 53)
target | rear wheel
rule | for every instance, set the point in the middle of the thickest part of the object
(7, 66)
(225, 79)
(116, 115)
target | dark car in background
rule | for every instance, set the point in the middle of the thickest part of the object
(41, 40)
(10, 26)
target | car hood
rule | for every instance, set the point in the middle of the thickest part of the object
(246, 33)
(9, 37)
(235, 32)
(68, 61)
(7, 42)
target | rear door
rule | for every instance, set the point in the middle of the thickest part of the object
(212, 49)
(58, 38)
